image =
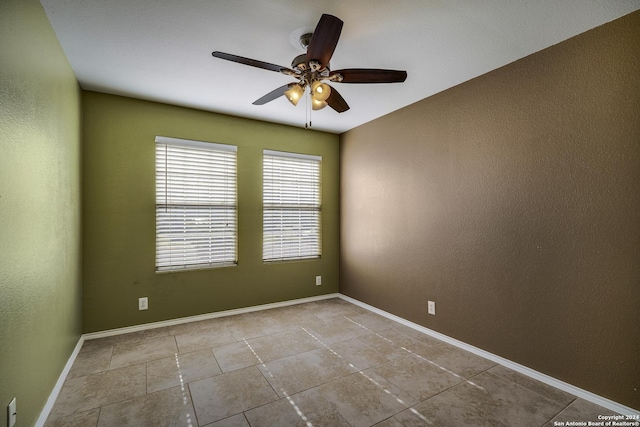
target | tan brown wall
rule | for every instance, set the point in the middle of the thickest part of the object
(513, 202)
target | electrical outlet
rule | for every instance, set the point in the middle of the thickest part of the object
(12, 413)
(143, 303)
(318, 280)
(431, 307)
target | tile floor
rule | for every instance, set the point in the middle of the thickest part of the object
(325, 363)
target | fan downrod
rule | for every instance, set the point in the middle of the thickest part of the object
(305, 39)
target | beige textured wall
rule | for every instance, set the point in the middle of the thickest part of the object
(513, 202)
(40, 276)
(119, 215)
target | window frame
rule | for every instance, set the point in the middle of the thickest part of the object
(305, 211)
(203, 205)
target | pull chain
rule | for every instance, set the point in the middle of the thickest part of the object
(310, 105)
(307, 110)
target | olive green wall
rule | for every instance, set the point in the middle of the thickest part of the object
(40, 276)
(513, 202)
(119, 215)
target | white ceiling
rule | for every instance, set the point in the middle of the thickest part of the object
(160, 50)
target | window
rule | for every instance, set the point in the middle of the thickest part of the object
(291, 206)
(196, 208)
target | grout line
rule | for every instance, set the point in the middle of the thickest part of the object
(184, 386)
(110, 358)
(193, 405)
(175, 340)
(561, 411)
(286, 395)
(263, 375)
(216, 360)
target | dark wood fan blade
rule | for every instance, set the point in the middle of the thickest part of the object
(371, 75)
(249, 61)
(274, 94)
(324, 40)
(337, 102)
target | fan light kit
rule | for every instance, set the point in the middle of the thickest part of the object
(312, 70)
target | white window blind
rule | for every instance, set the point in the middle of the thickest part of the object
(196, 204)
(291, 206)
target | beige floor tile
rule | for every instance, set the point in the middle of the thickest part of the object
(336, 330)
(393, 343)
(79, 419)
(271, 347)
(455, 359)
(132, 339)
(283, 413)
(413, 333)
(581, 410)
(362, 398)
(302, 371)
(547, 391)
(234, 356)
(93, 357)
(238, 420)
(96, 390)
(507, 401)
(329, 310)
(168, 408)
(228, 394)
(373, 322)
(209, 336)
(358, 354)
(128, 353)
(277, 346)
(182, 328)
(252, 325)
(417, 376)
(446, 410)
(293, 317)
(181, 369)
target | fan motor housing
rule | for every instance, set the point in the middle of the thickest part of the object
(300, 63)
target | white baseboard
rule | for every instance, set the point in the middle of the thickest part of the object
(44, 414)
(576, 391)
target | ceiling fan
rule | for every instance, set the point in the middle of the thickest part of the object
(311, 69)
